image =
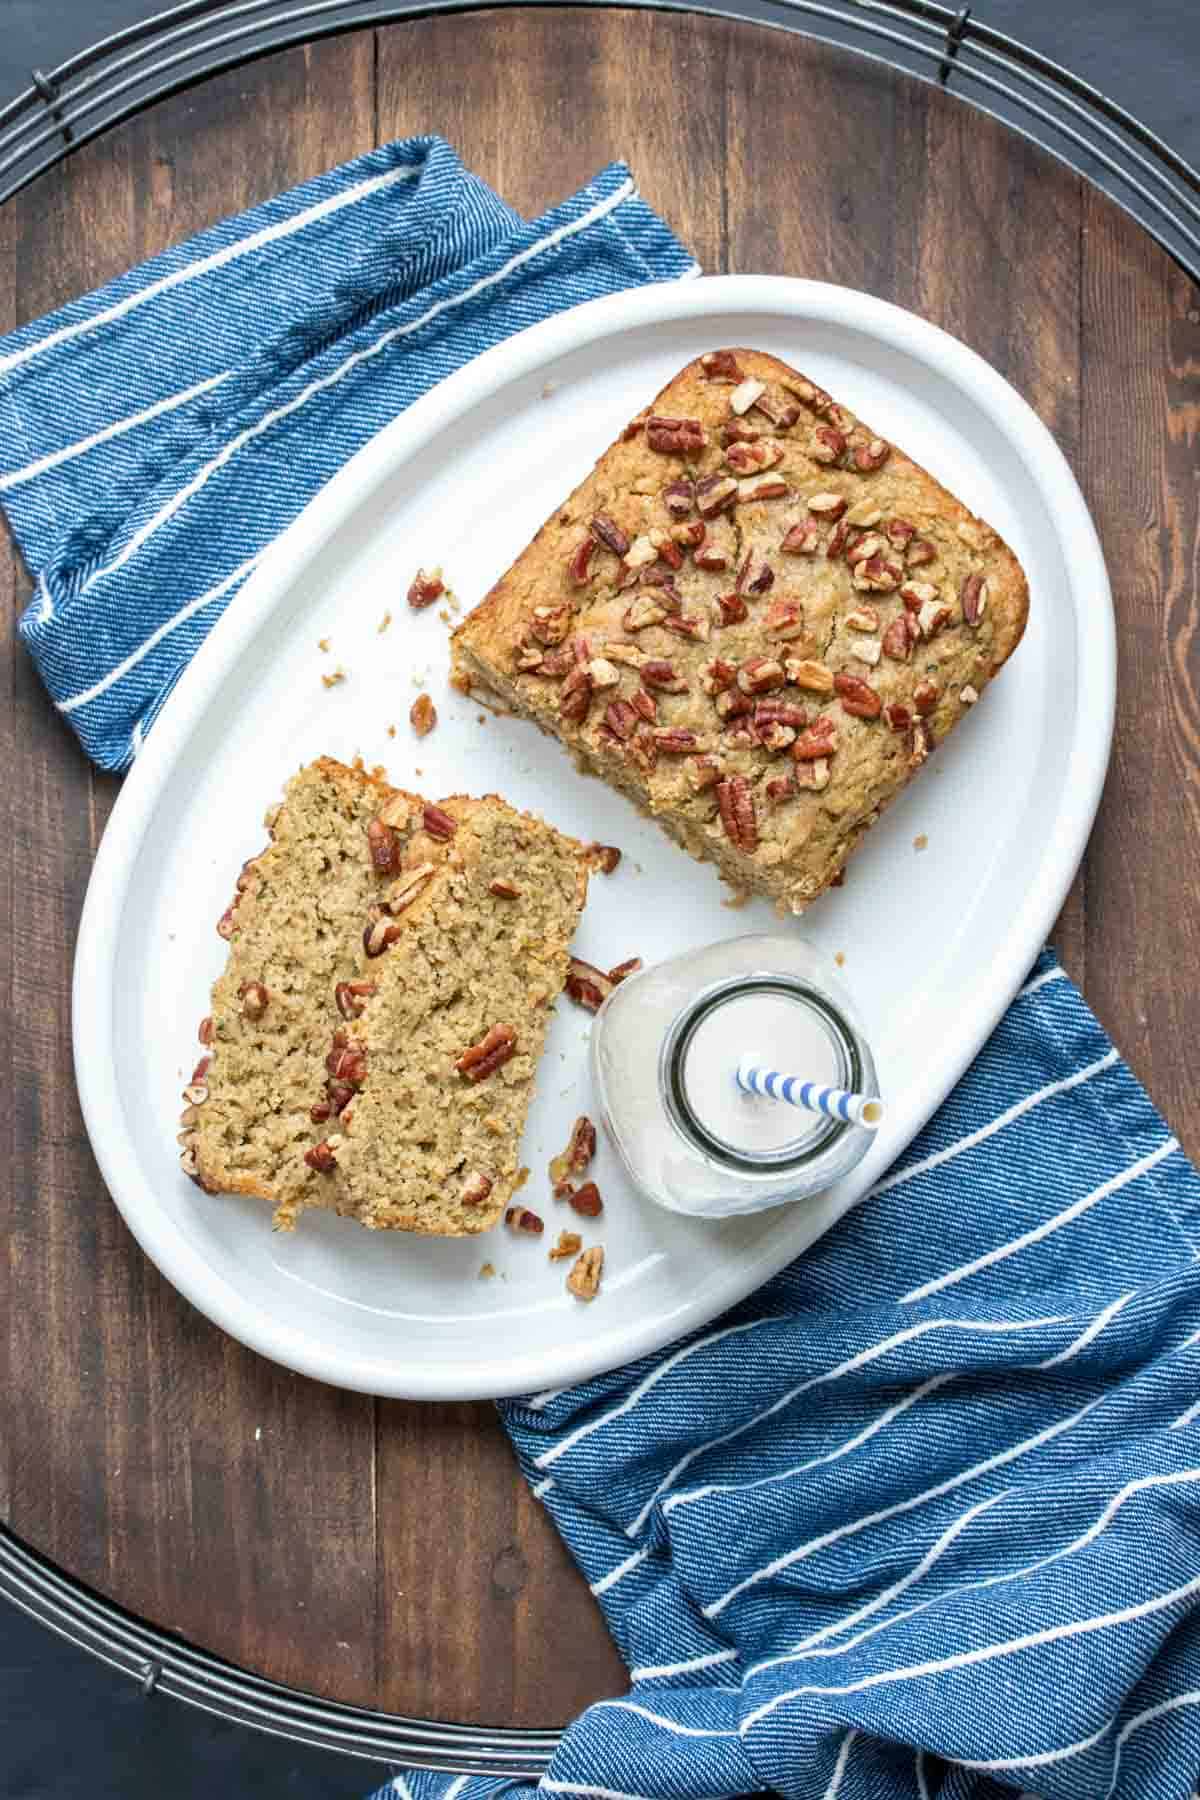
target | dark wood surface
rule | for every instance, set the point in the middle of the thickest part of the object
(389, 1554)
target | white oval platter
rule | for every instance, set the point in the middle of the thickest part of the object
(935, 942)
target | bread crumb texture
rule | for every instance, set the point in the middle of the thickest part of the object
(369, 924)
(755, 617)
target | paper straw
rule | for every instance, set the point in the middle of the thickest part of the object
(854, 1109)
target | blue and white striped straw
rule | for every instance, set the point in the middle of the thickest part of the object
(855, 1109)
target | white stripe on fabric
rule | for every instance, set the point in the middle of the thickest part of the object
(323, 383)
(839, 1767)
(948, 1486)
(219, 259)
(1186, 1418)
(808, 1646)
(1148, 1717)
(673, 1501)
(456, 1787)
(538, 1401)
(1043, 1758)
(963, 1144)
(117, 429)
(160, 632)
(692, 1666)
(1093, 1331)
(45, 601)
(402, 1788)
(966, 1659)
(619, 1573)
(1039, 981)
(643, 1712)
(542, 1488)
(643, 1387)
(137, 738)
(1093, 1531)
(587, 1789)
(922, 1784)
(845, 1368)
(1142, 1167)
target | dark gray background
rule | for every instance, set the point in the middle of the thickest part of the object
(69, 1728)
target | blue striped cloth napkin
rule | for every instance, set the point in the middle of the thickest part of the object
(922, 1517)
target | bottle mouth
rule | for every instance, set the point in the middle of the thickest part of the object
(815, 1134)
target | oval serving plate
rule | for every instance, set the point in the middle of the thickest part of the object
(934, 944)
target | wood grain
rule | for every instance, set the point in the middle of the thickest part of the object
(390, 1554)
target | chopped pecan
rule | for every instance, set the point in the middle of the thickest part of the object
(865, 545)
(813, 774)
(607, 532)
(877, 575)
(380, 934)
(575, 695)
(897, 716)
(749, 459)
(475, 1189)
(422, 715)
(863, 618)
(898, 638)
(668, 550)
(679, 497)
(642, 611)
(550, 624)
(620, 718)
(920, 551)
(755, 575)
(715, 493)
(587, 985)
(633, 427)
(687, 625)
(702, 772)
(819, 740)
(195, 1093)
(803, 539)
(739, 431)
(491, 1053)
(925, 696)
(827, 506)
(721, 365)
(323, 1156)
(717, 675)
(528, 660)
(784, 619)
(383, 847)
(347, 1060)
(644, 705)
(731, 703)
(201, 1069)
(857, 696)
(604, 674)
(520, 1219)
(828, 445)
(439, 824)
(255, 999)
(586, 1199)
(931, 618)
(900, 532)
(738, 816)
(620, 970)
(712, 558)
(616, 650)
(569, 1244)
(764, 487)
(505, 889)
(973, 598)
(581, 1147)
(584, 1279)
(603, 857)
(404, 891)
(320, 1111)
(777, 406)
(675, 740)
(351, 997)
(732, 609)
(812, 676)
(968, 695)
(675, 437)
(780, 712)
(425, 589)
(774, 736)
(760, 675)
(579, 564)
(919, 743)
(871, 455)
(744, 395)
(779, 788)
(916, 594)
(658, 673)
(225, 922)
(205, 1033)
(690, 535)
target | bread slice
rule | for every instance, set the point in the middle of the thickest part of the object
(755, 617)
(373, 934)
(295, 931)
(449, 1042)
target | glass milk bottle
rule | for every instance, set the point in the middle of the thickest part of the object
(665, 1050)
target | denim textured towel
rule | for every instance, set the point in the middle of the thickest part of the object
(922, 1517)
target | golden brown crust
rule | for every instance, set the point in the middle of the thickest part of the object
(774, 819)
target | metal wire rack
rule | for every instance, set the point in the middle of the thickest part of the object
(1034, 96)
(117, 77)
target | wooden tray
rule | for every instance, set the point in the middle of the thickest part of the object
(388, 1554)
